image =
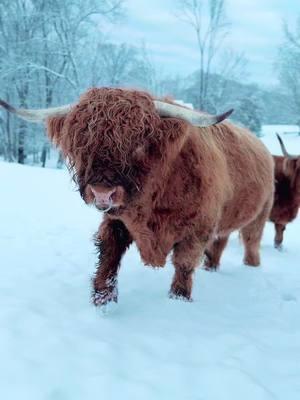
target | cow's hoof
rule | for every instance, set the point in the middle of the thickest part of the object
(278, 246)
(180, 294)
(208, 266)
(105, 296)
(252, 259)
(251, 262)
(213, 268)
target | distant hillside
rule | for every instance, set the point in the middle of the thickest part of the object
(274, 107)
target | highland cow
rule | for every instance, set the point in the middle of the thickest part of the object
(287, 192)
(162, 182)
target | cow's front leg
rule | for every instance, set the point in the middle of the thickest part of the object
(186, 256)
(279, 229)
(112, 241)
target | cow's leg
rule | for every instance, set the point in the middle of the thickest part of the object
(279, 228)
(186, 257)
(112, 241)
(252, 235)
(214, 252)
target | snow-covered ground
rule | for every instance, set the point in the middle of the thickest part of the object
(238, 340)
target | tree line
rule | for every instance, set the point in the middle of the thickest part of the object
(52, 50)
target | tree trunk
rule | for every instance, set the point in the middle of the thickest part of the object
(23, 93)
(21, 143)
(44, 155)
(10, 156)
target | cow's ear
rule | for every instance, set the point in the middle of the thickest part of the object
(173, 133)
(54, 129)
(290, 166)
(173, 129)
(169, 137)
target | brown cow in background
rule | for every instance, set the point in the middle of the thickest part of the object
(163, 183)
(287, 192)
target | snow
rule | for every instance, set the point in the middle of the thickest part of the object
(239, 339)
(289, 134)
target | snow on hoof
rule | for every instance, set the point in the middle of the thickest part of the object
(278, 246)
(179, 296)
(207, 266)
(105, 296)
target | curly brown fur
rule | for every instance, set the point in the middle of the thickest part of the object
(287, 195)
(102, 136)
(183, 186)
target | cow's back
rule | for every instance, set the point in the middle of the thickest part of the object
(250, 170)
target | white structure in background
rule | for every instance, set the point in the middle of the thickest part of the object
(182, 103)
(281, 129)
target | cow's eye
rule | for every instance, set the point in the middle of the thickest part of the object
(108, 177)
(106, 181)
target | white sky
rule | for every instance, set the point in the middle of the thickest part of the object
(256, 30)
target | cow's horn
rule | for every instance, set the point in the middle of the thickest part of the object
(194, 117)
(164, 109)
(39, 115)
(284, 150)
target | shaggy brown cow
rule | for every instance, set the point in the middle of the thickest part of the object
(162, 182)
(287, 192)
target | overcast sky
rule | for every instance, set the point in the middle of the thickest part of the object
(256, 30)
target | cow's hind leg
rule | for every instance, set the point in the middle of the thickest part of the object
(252, 235)
(214, 252)
(279, 228)
(186, 257)
(112, 241)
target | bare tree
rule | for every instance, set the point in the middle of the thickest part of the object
(43, 48)
(121, 64)
(288, 66)
(208, 20)
(217, 64)
(114, 63)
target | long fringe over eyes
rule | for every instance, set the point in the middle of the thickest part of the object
(104, 128)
